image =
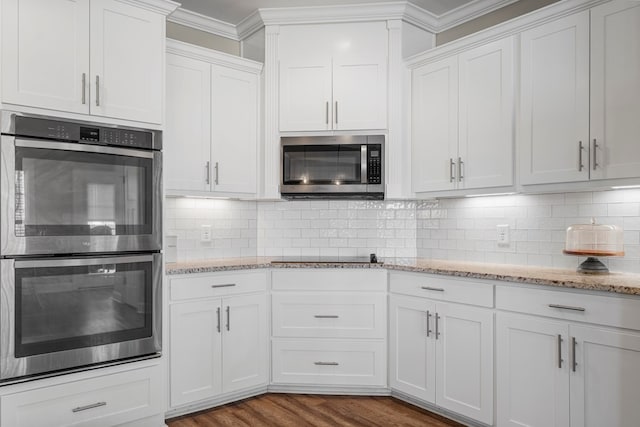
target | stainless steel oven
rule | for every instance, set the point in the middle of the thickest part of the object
(58, 313)
(71, 187)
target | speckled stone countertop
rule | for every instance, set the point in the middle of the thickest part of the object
(622, 283)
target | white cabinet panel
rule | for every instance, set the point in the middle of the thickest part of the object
(305, 96)
(615, 90)
(188, 125)
(412, 356)
(45, 54)
(196, 345)
(338, 279)
(605, 382)
(127, 52)
(234, 130)
(216, 285)
(245, 342)
(434, 126)
(532, 383)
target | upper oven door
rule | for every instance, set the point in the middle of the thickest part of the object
(75, 198)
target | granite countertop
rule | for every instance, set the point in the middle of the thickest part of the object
(622, 283)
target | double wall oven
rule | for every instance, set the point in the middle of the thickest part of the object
(80, 240)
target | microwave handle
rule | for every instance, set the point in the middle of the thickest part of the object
(82, 261)
(363, 164)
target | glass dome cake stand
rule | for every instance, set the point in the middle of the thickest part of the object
(594, 240)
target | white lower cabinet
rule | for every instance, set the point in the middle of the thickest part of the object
(329, 327)
(218, 344)
(116, 399)
(556, 372)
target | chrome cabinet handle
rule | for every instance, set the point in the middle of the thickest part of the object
(208, 173)
(93, 405)
(437, 319)
(580, 148)
(218, 314)
(217, 171)
(452, 165)
(336, 112)
(595, 154)
(326, 363)
(428, 288)
(84, 88)
(228, 318)
(428, 319)
(560, 351)
(460, 164)
(97, 90)
(226, 285)
(567, 307)
(326, 113)
(574, 364)
(326, 316)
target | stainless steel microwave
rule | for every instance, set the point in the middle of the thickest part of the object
(332, 167)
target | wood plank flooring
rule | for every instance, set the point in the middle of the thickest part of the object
(297, 410)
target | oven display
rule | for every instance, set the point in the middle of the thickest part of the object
(89, 134)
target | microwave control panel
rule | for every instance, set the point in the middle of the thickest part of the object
(374, 164)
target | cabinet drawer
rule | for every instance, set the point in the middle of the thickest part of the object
(330, 315)
(327, 362)
(442, 288)
(622, 312)
(336, 279)
(108, 400)
(211, 285)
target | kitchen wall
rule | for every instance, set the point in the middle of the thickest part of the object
(455, 229)
(202, 38)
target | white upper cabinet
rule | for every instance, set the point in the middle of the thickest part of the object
(615, 90)
(333, 77)
(580, 98)
(462, 120)
(99, 57)
(211, 136)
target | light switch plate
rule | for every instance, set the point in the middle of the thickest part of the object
(205, 233)
(503, 234)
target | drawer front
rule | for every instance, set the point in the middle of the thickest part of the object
(327, 362)
(329, 315)
(621, 312)
(212, 285)
(442, 288)
(108, 400)
(336, 279)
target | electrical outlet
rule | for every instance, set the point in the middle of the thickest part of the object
(205, 233)
(503, 234)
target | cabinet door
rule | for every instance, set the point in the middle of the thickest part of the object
(532, 366)
(127, 61)
(245, 342)
(554, 104)
(434, 126)
(359, 93)
(187, 137)
(464, 360)
(605, 382)
(234, 130)
(485, 144)
(615, 90)
(45, 54)
(412, 347)
(305, 96)
(196, 348)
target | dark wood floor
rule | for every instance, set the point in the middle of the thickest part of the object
(297, 410)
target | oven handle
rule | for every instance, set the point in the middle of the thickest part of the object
(82, 261)
(65, 146)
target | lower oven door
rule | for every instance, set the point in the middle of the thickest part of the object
(66, 313)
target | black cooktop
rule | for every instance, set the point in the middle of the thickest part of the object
(326, 260)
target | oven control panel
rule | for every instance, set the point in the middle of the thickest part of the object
(374, 164)
(69, 131)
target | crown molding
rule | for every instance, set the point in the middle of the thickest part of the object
(161, 6)
(249, 25)
(468, 12)
(212, 56)
(204, 23)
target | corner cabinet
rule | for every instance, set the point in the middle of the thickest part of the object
(462, 120)
(212, 135)
(578, 117)
(101, 57)
(441, 349)
(218, 336)
(333, 77)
